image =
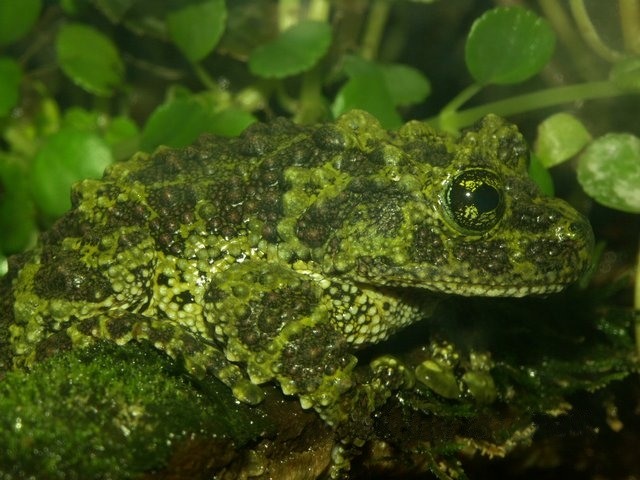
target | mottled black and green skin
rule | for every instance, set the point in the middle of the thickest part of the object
(275, 255)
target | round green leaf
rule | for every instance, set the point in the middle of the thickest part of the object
(296, 50)
(560, 137)
(541, 176)
(196, 28)
(10, 76)
(65, 158)
(120, 129)
(176, 123)
(367, 89)
(77, 118)
(407, 85)
(17, 213)
(122, 135)
(609, 171)
(89, 58)
(230, 122)
(16, 18)
(508, 45)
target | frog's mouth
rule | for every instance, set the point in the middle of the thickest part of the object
(517, 281)
(468, 289)
(482, 290)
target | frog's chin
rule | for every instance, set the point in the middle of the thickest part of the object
(466, 289)
(478, 290)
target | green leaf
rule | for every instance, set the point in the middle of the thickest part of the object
(17, 17)
(77, 118)
(197, 27)
(10, 76)
(609, 171)
(119, 129)
(230, 122)
(17, 212)
(367, 89)
(296, 50)
(560, 137)
(508, 45)
(541, 176)
(123, 137)
(89, 58)
(71, 7)
(24, 132)
(65, 158)
(176, 123)
(407, 85)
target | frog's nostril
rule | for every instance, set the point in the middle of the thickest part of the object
(580, 231)
(580, 228)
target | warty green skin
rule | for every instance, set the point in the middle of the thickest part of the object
(274, 256)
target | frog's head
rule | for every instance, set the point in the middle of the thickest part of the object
(455, 216)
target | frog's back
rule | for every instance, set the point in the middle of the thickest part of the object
(150, 236)
(211, 187)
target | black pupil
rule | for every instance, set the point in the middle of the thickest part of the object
(485, 198)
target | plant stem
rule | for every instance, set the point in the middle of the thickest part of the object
(311, 104)
(375, 28)
(590, 34)
(530, 101)
(567, 34)
(205, 78)
(460, 99)
(630, 24)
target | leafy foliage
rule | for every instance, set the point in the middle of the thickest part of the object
(609, 170)
(10, 77)
(89, 58)
(508, 45)
(560, 137)
(296, 50)
(17, 18)
(367, 89)
(197, 28)
(66, 157)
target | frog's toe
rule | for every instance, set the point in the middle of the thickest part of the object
(391, 373)
(247, 392)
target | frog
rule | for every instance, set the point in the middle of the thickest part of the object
(278, 255)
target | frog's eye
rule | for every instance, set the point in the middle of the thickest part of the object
(474, 200)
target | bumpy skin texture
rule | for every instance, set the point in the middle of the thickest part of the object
(275, 255)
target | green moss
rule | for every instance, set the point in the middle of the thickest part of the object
(111, 412)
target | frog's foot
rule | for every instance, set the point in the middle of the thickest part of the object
(352, 414)
(352, 411)
(276, 323)
(340, 462)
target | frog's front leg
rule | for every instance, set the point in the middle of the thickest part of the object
(277, 323)
(300, 328)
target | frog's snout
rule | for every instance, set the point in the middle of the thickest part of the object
(581, 233)
(581, 230)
